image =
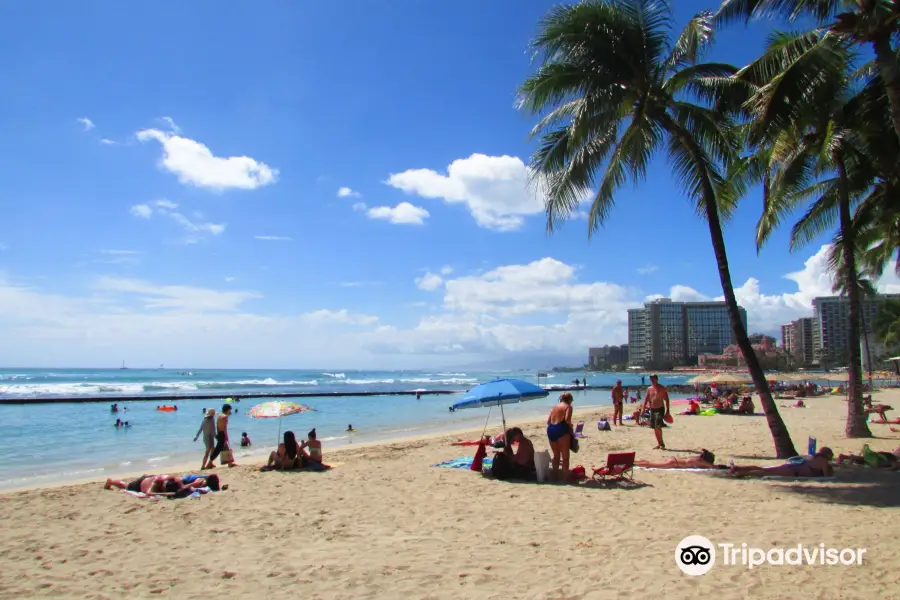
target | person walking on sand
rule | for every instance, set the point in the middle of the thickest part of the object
(208, 430)
(222, 442)
(657, 400)
(618, 400)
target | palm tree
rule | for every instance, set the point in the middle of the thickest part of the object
(613, 89)
(865, 289)
(806, 109)
(886, 324)
(872, 22)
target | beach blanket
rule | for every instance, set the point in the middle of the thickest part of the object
(790, 478)
(463, 462)
(196, 494)
(690, 470)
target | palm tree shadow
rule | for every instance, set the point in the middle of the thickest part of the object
(858, 487)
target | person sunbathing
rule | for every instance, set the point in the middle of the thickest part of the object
(746, 407)
(171, 486)
(877, 460)
(704, 460)
(815, 466)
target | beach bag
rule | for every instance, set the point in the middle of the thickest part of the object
(542, 465)
(578, 473)
(501, 467)
(573, 445)
(226, 457)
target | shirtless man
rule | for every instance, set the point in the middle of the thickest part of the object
(618, 400)
(657, 400)
(151, 485)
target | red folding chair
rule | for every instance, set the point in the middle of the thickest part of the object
(618, 466)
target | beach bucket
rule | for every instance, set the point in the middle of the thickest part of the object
(542, 465)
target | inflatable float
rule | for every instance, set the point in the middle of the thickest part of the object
(167, 408)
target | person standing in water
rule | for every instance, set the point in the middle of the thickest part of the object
(657, 400)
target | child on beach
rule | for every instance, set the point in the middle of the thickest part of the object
(245, 440)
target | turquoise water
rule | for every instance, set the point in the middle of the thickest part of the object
(43, 443)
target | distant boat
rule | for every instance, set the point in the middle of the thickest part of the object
(123, 366)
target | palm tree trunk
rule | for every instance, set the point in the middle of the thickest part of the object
(856, 417)
(865, 333)
(784, 446)
(890, 75)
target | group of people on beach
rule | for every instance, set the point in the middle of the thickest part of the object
(169, 486)
(516, 461)
(215, 438)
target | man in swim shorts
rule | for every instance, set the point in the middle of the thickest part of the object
(618, 399)
(657, 400)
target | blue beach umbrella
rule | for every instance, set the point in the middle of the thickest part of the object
(499, 392)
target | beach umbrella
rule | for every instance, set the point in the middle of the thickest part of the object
(276, 410)
(701, 378)
(729, 378)
(499, 392)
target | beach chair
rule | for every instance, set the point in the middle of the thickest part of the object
(578, 429)
(618, 466)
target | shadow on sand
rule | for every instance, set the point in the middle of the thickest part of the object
(855, 487)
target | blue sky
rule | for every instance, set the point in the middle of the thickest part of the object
(172, 177)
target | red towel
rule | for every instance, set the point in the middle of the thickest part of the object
(479, 456)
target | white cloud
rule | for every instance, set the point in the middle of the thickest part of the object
(342, 317)
(402, 214)
(496, 190)
(542, 307)
(346, 192)
(229, 279)
(107, 142)
(196, 231)
(194, 164)
(429, 282)
(446, 270)
(171, 123)
(359, 207)
(141, 210)
(272, 238)
(646, 270)
(85, 123)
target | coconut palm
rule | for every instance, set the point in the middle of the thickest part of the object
(865, 289)
(806, 107)
(872, 22)
(613, 89)
(886, 324)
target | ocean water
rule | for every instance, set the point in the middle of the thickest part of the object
(45, 443)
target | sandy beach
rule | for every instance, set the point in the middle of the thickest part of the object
(385, 524)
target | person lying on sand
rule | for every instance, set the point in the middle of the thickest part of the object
(816, 466)
(704, 460)
(877, 460)
(166, 485)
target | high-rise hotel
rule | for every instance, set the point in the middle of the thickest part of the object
(664, 331)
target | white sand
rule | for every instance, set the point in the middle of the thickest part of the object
(384, 524)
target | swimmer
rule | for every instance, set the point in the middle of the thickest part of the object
(350, 428)
(245, 440)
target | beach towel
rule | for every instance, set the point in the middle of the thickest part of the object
(690, 470)
(195, 494)
(791, 478)
(464, 462)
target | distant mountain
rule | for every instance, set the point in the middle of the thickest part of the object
(524, 361)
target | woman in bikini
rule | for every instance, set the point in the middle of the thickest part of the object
(289, 454)
(815, 466)
(559, 432)
(704, 460)
(313, 447)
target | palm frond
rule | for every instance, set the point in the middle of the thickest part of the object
(746, 10)
(695, 38)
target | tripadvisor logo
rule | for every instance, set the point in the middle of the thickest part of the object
(696, 555)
